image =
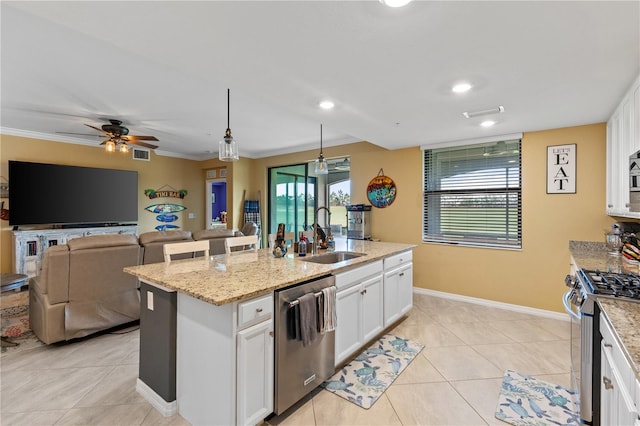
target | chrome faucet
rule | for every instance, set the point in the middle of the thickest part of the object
(315, 227)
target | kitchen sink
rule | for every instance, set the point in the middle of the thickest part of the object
(333, 257)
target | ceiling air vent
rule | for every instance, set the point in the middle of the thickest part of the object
(141, 154)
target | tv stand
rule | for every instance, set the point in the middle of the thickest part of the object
(29, 246)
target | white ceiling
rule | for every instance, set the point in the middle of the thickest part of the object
(163, 68)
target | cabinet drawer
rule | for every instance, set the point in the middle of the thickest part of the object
(621, 364)
(398, 259)
(255, 310)
(355, 275)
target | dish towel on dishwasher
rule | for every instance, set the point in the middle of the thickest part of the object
(308, 318)
(329, 310)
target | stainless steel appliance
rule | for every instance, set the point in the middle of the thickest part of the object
(579, 302)
(299, 369)
(359, 222)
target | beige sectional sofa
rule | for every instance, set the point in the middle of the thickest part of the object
(82, 288)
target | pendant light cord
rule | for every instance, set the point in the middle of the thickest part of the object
(227, 134)
(320, 139)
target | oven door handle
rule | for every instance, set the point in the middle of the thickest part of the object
(567, 305)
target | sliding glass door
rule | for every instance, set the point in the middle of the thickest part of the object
(292, 198)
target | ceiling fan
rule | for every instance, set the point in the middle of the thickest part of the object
(116, 135)
(341, 166)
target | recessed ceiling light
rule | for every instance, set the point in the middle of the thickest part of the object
(461, 88)
(326, 105)
(395, 3)
(487, 123)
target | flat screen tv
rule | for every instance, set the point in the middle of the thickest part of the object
(70, 195)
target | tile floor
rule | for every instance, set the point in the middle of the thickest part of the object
(454, 381)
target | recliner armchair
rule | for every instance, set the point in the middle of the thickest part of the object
(82, 288)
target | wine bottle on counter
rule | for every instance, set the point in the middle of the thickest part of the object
(280, 234)
(280, 246)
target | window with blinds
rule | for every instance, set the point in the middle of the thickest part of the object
(472, 195)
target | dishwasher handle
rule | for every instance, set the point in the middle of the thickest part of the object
(568, 306)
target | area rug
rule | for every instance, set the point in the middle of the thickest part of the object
(525, 400)
(365, 379)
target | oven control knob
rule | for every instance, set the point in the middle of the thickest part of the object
(569, 281)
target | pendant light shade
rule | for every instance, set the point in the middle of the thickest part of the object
(228, 148)
(322, 167)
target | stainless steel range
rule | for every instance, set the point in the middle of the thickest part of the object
(586, 286)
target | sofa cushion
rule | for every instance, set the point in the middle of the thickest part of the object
(163, 236)
(208, 234)
(102, 241)
(153, 243)
(54, 277)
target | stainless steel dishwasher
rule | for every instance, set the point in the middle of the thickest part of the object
(299, 369)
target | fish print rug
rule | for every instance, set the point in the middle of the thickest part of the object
(365, 379)
(525, 400)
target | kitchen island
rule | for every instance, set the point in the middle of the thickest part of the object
(224, 325)
(619, 325)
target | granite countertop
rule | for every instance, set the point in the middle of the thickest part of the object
(223, 279)
(623, 316)
(594, 255)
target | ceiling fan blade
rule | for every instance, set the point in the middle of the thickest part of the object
(138, 138)
(98, 129)
(146, 145)
(81, 134)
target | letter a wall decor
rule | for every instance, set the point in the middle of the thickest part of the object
(561, 169)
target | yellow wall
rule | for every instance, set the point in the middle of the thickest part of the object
(531, 277)
(534, 275)
(160, 171)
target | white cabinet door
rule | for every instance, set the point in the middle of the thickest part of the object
(623, 139)
(405, 288)
(398, 293)
(255, 373)
(372, 307)
(348, 312)
(616, 405)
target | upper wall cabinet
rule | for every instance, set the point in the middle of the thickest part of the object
(623, 139)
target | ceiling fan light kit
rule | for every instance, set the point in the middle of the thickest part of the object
(117, 137)
(321, 165)
(228, 148)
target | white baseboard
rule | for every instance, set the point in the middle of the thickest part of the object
(492, 303)
(165, 408)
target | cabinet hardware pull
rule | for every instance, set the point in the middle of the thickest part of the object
(607, 382)
(258, 310)
(608, 345)
(271, 333)
(401, 274)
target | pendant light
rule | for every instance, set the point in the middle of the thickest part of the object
(228, 148)
(322, 168)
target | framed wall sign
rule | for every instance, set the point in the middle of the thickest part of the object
(561, 169)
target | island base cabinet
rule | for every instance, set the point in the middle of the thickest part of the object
(359, 309)
(398, 287)
(224, 371)
(255, 373)
(617, 383)
(348, 308)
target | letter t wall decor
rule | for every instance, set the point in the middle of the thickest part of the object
(561, 169)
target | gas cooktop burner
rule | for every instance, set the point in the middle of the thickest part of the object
(623, 285)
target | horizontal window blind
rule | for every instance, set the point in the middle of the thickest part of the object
(472, 195)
